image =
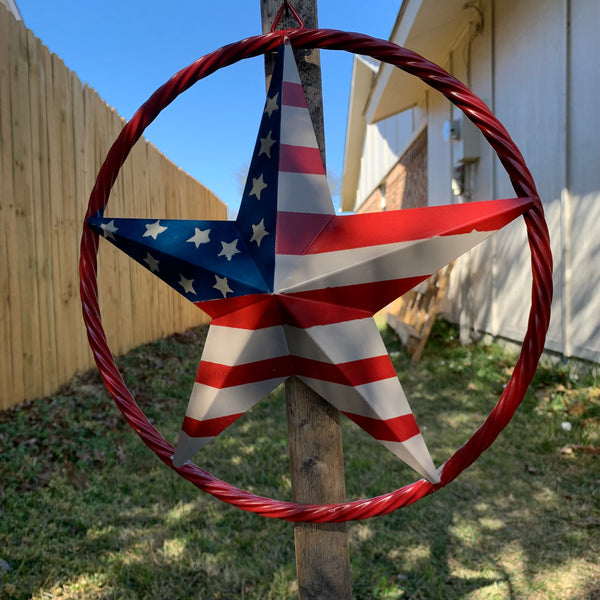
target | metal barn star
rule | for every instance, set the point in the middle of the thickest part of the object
(291, 287)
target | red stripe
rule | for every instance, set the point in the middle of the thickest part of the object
(264, 313)
(373, 229)
(223, 306)
(299, 159)
(297, 231)
(300, 312)
(351, 373)
(357, 372)
(310, 308)
(208, 428)
(293, 310)
(367, 297)
(223, 376)
(293, 95)
(398, 429)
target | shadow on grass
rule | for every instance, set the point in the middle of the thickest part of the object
(110, 521)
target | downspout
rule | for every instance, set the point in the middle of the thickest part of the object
(566, 204)
(467, 316)
(494, 311)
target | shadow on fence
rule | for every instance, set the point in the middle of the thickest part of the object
(54, 135)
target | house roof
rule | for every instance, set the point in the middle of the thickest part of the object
(363, 76)
(428, 27)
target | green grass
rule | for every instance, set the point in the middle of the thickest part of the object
(87, 511)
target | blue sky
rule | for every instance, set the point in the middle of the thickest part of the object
(126, 49)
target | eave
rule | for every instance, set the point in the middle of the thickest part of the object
(427, 27)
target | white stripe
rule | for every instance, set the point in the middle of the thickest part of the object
(232, 346)
(207, 402)
(304, 193)
(290, 70)
(337, 343)
(374, 263)
(383, 399)
(297, 128)
(415, 454)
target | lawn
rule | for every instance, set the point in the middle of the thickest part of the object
(87, 511)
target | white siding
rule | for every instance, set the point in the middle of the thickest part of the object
(583, 212)
(530, 100)
(385, 142)
(439, 176)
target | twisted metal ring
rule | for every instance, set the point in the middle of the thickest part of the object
(539, 244)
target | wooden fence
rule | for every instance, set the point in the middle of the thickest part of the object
(54, 134)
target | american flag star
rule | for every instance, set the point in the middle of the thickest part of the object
(297, 295)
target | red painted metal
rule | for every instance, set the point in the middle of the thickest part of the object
(279, 14)
(539, 244)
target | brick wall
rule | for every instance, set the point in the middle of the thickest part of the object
(406, 183)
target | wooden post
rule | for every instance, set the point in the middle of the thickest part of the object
(314, 432)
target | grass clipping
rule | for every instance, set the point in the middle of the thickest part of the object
(89, 512)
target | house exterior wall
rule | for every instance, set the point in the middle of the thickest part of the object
(384, 143)
(531, 64)
(529, 99)
(581, 198)
(405, 186)
(536, 64)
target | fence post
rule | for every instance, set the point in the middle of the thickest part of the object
(314, 432)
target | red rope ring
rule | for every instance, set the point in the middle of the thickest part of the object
(539, 244)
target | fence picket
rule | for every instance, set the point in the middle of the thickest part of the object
(8, 384)
(44, 318)
(26, 341)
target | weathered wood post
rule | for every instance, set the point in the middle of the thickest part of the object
(314, 432)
